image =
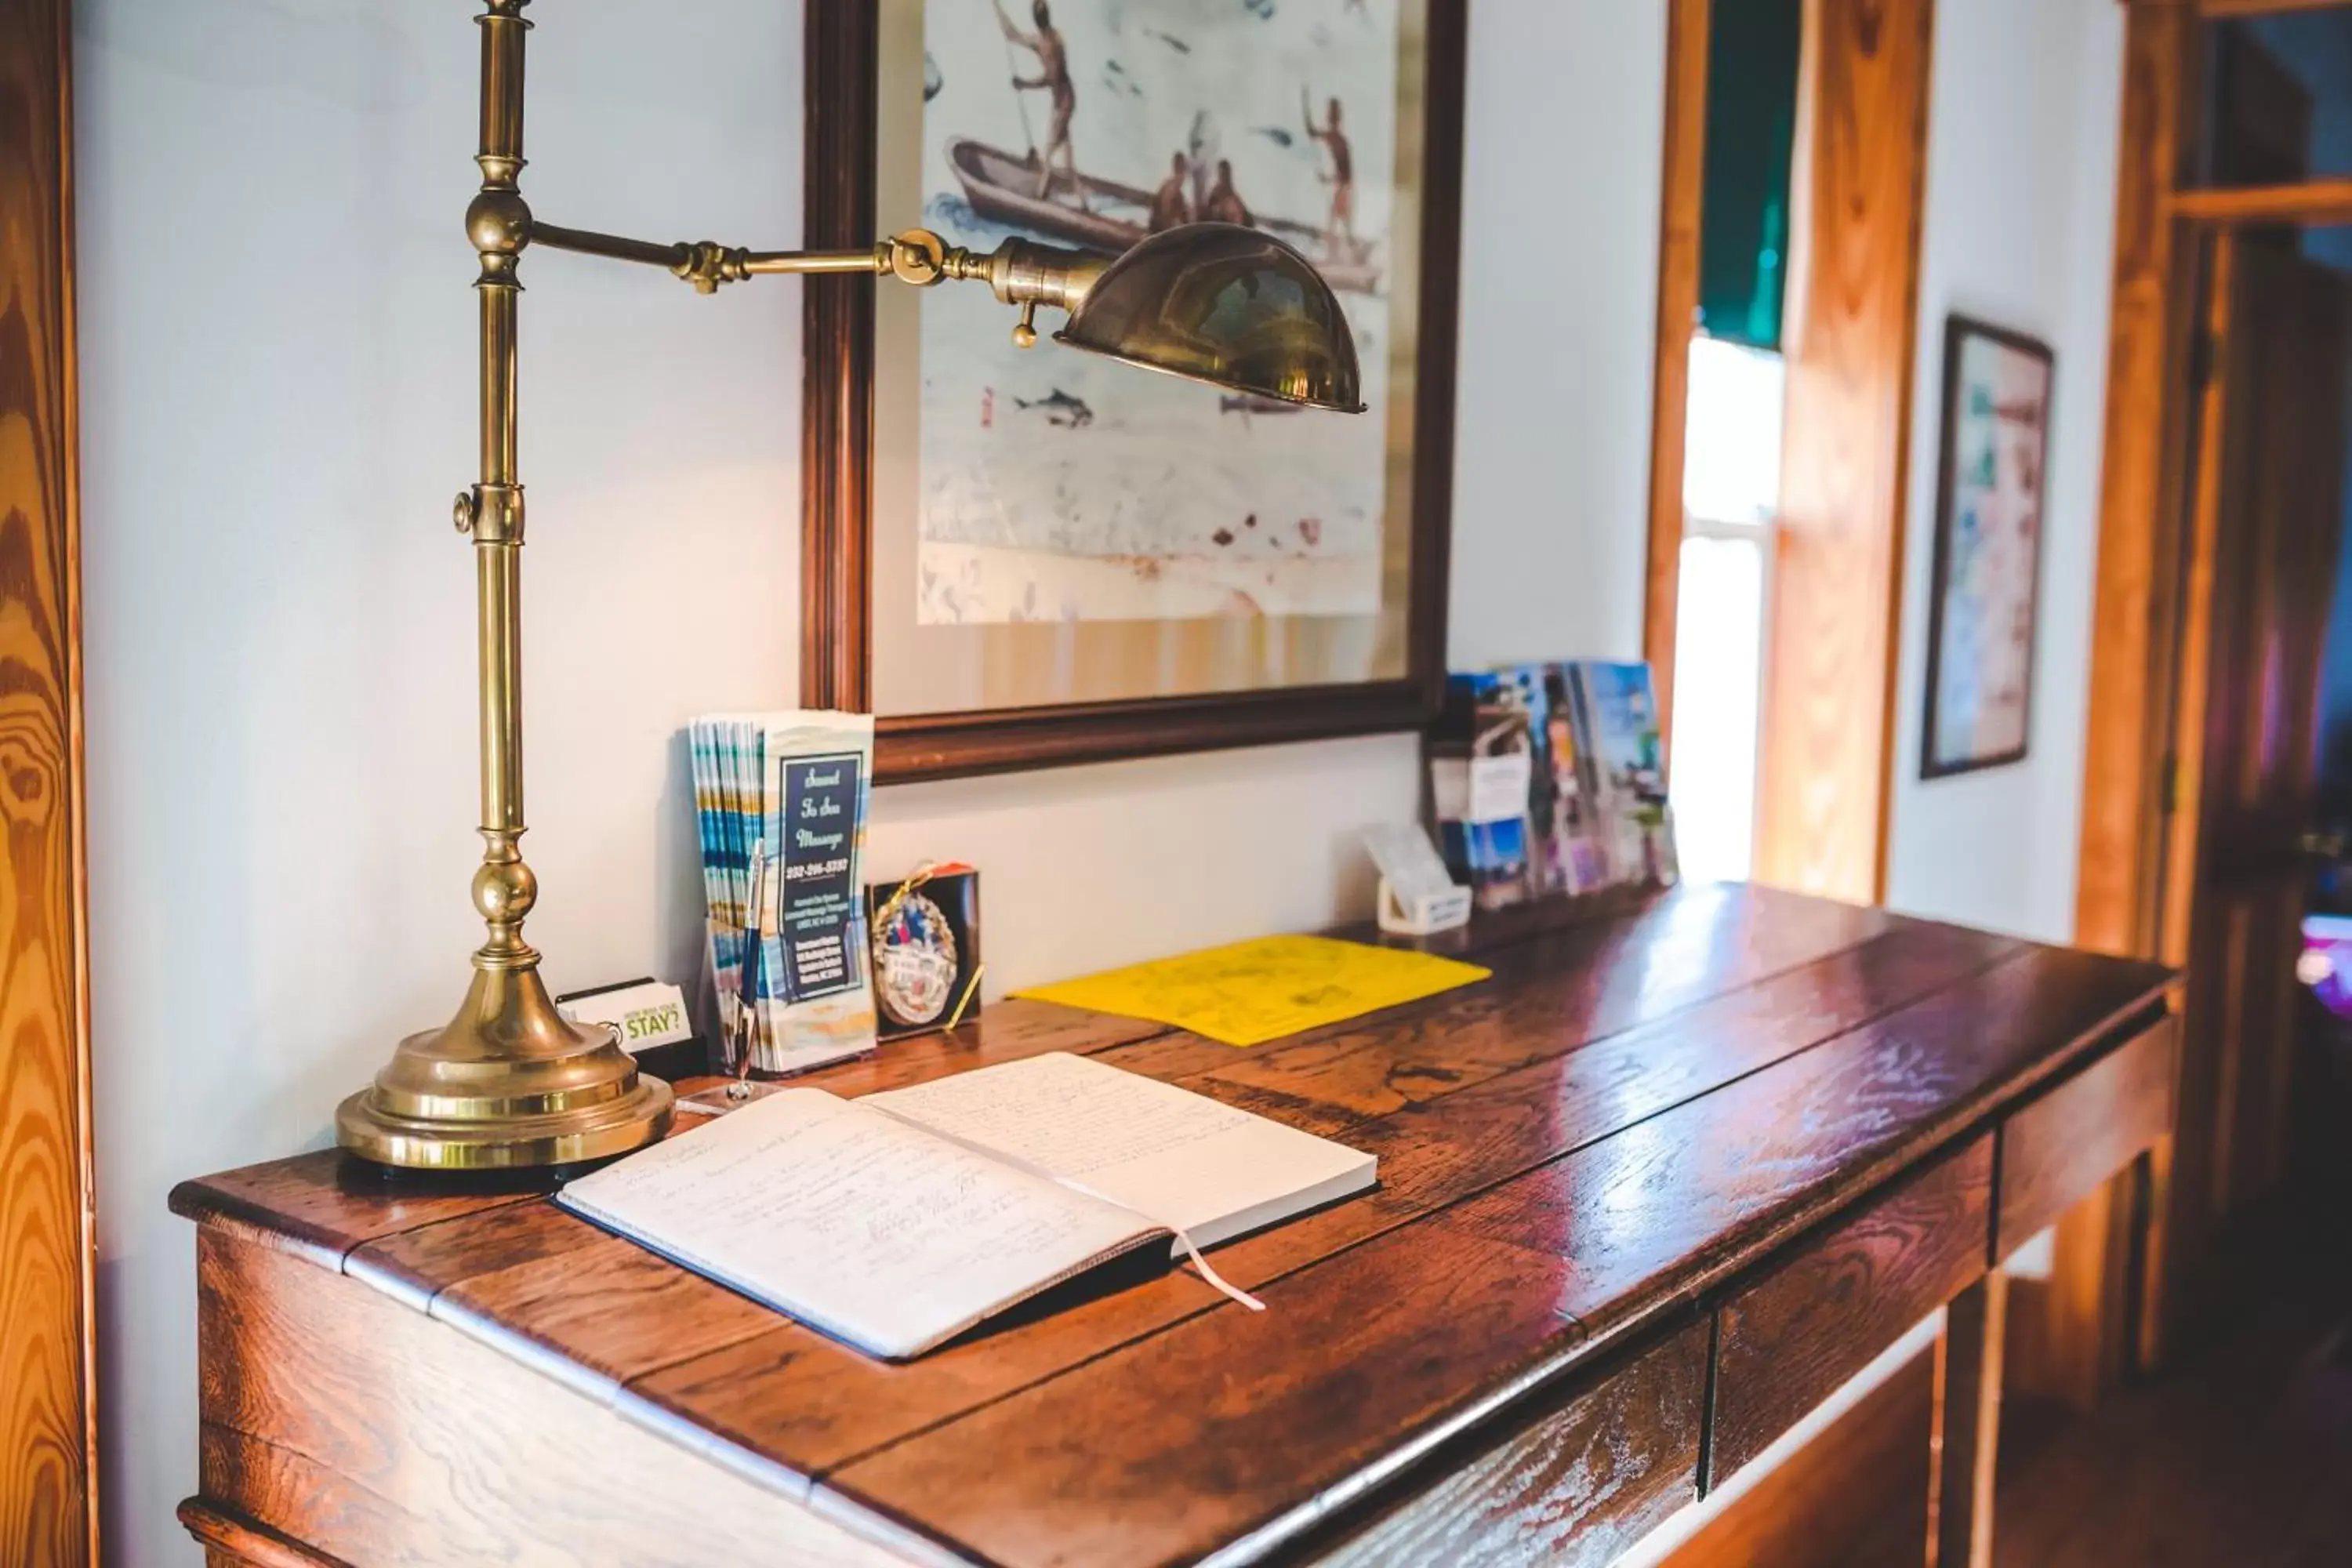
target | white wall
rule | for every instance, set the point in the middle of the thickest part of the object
(277, 365)
(2019, 231)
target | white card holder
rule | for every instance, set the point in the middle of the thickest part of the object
(1423, 914)
(1417, 896)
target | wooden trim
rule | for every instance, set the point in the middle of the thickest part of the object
(1680, 215)
(2222, 9)
(2316, 202)
(2189, 687)
(843, 54)
(229, 1534)
(2135, 623)
(841, 51)
(49, 1434)
(1852, 1486)
(1830, 680)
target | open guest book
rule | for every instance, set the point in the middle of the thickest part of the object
(897, 1221)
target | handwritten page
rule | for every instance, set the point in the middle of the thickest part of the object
(858, 1224)
(1252, 992)
(1185, 1160)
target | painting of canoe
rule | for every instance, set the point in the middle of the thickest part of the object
(1002, 187)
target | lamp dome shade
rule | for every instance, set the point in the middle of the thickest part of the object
(1231, 306)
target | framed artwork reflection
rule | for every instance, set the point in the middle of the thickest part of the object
(1016, 558)
(1992, 492)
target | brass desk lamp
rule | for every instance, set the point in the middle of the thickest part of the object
(509, 1082)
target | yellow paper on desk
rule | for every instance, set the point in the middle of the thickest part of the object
(1252, 992)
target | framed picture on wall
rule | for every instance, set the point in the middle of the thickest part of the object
(1020, 558)
(1990, 496)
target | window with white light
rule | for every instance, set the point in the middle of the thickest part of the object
(1731, 500)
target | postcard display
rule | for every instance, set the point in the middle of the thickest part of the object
(781, 803)
(1549, 779)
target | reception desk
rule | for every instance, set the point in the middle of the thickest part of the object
(1672, 1175)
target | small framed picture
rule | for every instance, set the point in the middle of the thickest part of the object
(1990, 497)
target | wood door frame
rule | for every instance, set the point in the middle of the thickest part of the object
(2143, 782)
(2138, 784)
(1680, 207)
(48, 1422)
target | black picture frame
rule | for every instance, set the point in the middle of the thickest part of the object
(1959, 330)
(838, 511)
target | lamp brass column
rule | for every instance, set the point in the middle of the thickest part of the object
(507, 1081)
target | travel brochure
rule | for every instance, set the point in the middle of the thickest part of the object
(780, 802)
(1549, 779)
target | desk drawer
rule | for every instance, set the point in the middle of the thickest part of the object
(1575, 1486)
(1790, 1340)
(2053, 1151)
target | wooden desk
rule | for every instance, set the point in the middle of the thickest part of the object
(1649, 1195)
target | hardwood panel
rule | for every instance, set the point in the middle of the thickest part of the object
(322, 1204)
(337, 1418)
(1232, 1423)
(1656, 1137)
(1574, 1487)
(1002, 1031)
(792, 1395)
(1680, 210)
(1656, 1214)
(1628, 1229)
(1822, 779)
(2134, 625)
(1587, 986)
(1791, 1340)
(49, 1492)
(1862, 1480)
(2058, 1149)
(602, 1313)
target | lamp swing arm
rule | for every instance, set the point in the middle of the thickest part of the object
(1019, 272)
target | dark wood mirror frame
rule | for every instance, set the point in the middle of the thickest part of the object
(836, 466)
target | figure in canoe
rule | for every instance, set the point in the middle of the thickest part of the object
(1340, 234)
(1053, 76)
(1171, 204)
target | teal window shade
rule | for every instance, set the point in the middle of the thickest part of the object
(1751, 127)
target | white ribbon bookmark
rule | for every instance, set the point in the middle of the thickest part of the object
(1215, 1279)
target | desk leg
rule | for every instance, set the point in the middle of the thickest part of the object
(2149, 1283)
(1966, 1436)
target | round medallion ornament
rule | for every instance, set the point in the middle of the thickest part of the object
(915, 963)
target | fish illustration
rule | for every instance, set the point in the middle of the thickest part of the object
(1179, 44)
(1059, 408)
(932, 80)
(1276, 134)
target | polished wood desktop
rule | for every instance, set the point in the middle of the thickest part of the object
(1679, 1170)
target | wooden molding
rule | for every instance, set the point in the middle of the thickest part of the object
(48, 1493)
(2313, 201)
(2135, 623)
(1824, 778)
(2219, 9)
(1680, 212)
